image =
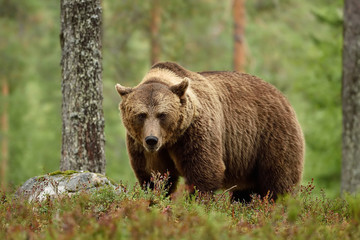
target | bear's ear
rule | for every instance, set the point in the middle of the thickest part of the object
(123, 90)
(180, 89)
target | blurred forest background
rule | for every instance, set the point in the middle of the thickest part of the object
(295, 45)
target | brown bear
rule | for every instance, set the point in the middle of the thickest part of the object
(216, 129)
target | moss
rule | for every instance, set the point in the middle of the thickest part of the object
(66, 173)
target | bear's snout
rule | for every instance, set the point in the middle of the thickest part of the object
(151, 141)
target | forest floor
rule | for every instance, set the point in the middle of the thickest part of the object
(138, 214)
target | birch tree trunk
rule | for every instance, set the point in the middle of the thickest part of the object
(350, 181)
(82, 114)
(239, 35)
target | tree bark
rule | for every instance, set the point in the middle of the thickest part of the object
(4, 135)
(350, 181)
(239, 57)
(82, 114)
(154, 31)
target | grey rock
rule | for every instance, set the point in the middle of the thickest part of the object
(59, 183)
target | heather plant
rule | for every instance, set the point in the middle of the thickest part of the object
(152, 214)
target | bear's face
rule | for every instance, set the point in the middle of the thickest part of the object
(153, 112)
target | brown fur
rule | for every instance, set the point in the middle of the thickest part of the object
(216, 129)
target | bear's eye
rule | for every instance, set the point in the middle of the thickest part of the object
(161, 116)
(141, 116)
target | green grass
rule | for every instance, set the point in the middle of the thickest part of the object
(138, 214)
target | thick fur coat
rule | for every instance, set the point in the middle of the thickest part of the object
(215, 129)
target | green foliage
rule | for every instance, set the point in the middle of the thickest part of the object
(295, 45)
(354, 206)
(139, 214)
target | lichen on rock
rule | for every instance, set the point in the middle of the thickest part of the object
(60, 183)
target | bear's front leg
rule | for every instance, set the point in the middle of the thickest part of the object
(200, 161)
(145, 164)
(138, 162)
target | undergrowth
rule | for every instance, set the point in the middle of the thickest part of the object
(138, 214)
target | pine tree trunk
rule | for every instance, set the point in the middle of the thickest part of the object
(82, 114)
(4, 135)
(239, 35)
(350, 181)
(154, 31)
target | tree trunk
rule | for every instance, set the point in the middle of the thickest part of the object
(82, 114)
(154, 31)
(350, 181)
(239, 33)
(4, 135)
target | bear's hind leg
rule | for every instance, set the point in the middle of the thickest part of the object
(276, 181)
(171, 185)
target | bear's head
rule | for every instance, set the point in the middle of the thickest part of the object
(154, 113)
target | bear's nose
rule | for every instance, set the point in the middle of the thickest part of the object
(151, 140)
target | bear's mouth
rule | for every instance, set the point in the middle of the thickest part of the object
(152, 149)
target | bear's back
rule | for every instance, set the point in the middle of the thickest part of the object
(239, 90)
(233, 83)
